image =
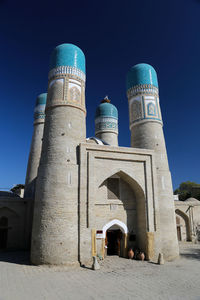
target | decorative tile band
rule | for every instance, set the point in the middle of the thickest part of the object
(106, 124)
(39, 113)
(67, 70)
(105, 119)
(66, 91)
(143, 108)
(147, 89)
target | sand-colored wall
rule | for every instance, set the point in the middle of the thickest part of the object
(188, 219)
(137, 207)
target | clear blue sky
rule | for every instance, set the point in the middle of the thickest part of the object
(114, 35)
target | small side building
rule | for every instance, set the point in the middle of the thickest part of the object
(14, 221)
(188, 219)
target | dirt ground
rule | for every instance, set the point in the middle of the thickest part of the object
(118, 278)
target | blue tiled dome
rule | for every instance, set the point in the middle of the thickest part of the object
(141, 74)
(106, 110)
(41, 99)
(68, 55)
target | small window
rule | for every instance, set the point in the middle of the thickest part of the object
(99, 232)
(113, 188)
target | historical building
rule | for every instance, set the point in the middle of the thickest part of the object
(92, 197)
(15, 221)
(188, 220)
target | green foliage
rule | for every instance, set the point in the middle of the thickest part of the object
(185, 190)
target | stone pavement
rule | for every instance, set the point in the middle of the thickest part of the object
(118, 278)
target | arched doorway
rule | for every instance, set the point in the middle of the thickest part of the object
(3, 232)
(184, 228)
(115, 234)
(10, 229)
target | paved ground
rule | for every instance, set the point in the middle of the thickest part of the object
(117, 279)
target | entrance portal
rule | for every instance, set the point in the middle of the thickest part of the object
(114, 239)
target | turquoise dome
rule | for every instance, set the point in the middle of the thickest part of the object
(141, 74)
(68, 55)
(41, 99)
(106, 110)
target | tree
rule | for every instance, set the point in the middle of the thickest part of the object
(186, 190)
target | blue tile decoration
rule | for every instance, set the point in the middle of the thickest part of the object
(39, 115)
(68, 55)
(67, 64)
(41, 99)
(106, 124)
(141, 74)
(151, 109)
(141, 89)
(142, 86)
(144, 107)
(72, 71)
(106, 118)
(106, 110)
(39, 111)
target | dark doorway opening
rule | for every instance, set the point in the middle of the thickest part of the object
(3, 232)
(179, 233)
(113, 238)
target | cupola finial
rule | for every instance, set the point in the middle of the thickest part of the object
(105, 100)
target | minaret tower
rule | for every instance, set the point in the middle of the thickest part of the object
(106, 122)
(55, 221)
(36, 145)
(147, 132)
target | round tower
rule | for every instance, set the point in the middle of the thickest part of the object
(147, 132)
(106, 122)
(55, 222)
(36, 145)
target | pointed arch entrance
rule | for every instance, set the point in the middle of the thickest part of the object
(9, 228)
(115, 234)
(121, 205)
(117, 223)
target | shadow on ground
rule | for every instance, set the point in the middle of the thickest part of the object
(192, 253)
(16, 257)
(86, 267)
(23, 257)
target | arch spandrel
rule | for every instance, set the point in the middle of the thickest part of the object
(6, 211)
(134, 183)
